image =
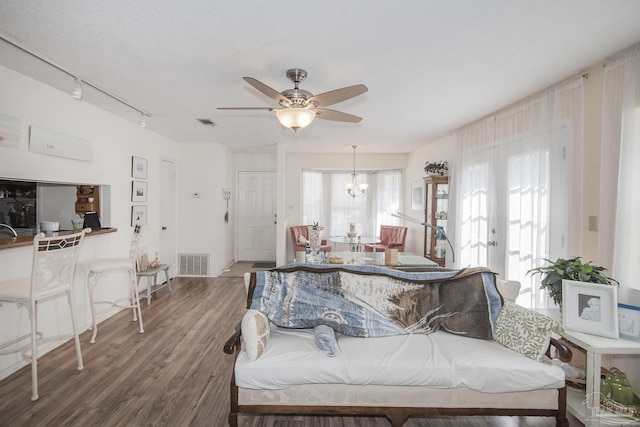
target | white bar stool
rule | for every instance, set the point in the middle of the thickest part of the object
(106, 266)
(52, 273)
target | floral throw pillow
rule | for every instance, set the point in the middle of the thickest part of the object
(255, 333)
(525, 331)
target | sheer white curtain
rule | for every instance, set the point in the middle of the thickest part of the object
(471, 186)
(619, 231)
(325, 200)
(511, 185)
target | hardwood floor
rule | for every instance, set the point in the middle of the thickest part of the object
(175, 374)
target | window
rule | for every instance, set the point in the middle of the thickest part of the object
(512, 194)
(325, 200)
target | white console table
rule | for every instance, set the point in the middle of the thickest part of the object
(586, 408)
(152, 275)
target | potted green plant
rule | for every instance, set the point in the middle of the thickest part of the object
(436, 168)
(569, 269)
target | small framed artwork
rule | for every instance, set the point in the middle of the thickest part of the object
(138, 167)
(629, 322)
(591, 308)
(138, 214)
(139, 191)
(417, 195)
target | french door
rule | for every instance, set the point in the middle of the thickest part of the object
(505, 220)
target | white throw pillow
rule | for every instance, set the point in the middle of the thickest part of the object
(255, 333)
(509, 289)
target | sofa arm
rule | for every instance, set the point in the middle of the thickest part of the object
(392, 245)
(563, 352)
(233, 341)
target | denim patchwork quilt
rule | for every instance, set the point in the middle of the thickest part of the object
(368, 301)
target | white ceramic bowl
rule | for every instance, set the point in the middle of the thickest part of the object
(49, 226)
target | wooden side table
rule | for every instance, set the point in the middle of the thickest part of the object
(152, 275)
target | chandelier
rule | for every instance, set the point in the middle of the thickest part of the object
(353, 188)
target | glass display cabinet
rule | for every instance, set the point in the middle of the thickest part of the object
(436, 214)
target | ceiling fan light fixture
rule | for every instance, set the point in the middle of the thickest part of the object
(295, 118)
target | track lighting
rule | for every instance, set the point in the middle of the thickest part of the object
(77, 91)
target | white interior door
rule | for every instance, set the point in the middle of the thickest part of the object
(168, 214)
(257, 216)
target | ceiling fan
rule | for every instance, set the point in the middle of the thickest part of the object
(298, 107)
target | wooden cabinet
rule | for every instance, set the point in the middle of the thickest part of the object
(436, 214)
(87, 199)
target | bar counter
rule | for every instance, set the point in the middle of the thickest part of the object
(17, 242)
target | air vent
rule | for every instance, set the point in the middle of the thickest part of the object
(193, 264)
(207, 122)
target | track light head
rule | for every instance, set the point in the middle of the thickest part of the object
(77, 91)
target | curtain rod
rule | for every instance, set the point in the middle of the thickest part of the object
(69, 73)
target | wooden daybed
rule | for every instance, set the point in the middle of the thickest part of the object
(397, 402)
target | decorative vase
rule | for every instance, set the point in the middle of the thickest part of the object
(156, 262)
(314, 239)
(144, 263)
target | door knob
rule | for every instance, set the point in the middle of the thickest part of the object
(164, 228)
(492, 243)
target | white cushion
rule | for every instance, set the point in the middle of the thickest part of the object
(15, 289)
(439, 360)
(255, 333)
(509, 289)
(109, 264)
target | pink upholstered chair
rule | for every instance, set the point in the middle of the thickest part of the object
(391, 237)
(302, 230)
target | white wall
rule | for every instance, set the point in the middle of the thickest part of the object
(114, 141)
(206, 169)
(442, 149)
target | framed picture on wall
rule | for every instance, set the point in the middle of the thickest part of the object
(417, 195)
(139, 191)
(138, 214)
(138, 167)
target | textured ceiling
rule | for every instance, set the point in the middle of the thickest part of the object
(430, 65)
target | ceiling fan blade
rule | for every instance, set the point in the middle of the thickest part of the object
(338, 116)
(246, 108)
(270, 92)
(338, 95)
